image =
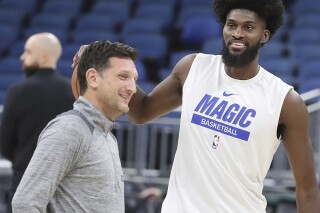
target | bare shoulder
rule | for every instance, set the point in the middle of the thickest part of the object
(182, 68)
(294, 110)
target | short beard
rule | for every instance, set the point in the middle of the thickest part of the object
(30, 70)
(240, 60)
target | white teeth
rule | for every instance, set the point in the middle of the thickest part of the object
(238, 44)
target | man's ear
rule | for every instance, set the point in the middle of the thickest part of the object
(265, 37)
(43, 58)
(91, 76)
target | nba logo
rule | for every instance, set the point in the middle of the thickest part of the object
(215, 142)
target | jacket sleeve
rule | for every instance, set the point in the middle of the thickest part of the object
(56, 153)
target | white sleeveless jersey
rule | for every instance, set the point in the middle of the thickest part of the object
(228, 136)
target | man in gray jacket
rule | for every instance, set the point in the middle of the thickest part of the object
(76, 165)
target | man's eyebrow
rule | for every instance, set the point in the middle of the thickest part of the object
(247, 22)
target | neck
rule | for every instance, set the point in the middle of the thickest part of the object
(100, 106)
(244, 72)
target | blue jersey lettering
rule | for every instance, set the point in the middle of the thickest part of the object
(223, 111)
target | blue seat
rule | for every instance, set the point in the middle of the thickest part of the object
(310, 70)
(199, 29)
(69, 51)
(281, 34)
(149, 46)
(279, 66)
(120, 10)
(159, 11)
(192, 3)
(308, 20)
(11, 66)
(8, 80)
(71, 8)
(213, 45)
(51, 20)
(87, 37)
(176, 56)
(191, 12)
(272, 49)
(25, 6)
(64, 68)
(305, 7)
(142, 71)
(305, 52)
(12, 17)
(141, 25)
(16, 48)
(305, 36)
(172, 2)
(8, 35)
(306, 85)
(96, 22)
(128, 2)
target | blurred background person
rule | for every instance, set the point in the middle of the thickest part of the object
(30, 104)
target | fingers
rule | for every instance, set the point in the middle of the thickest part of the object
(77, 56)
(151, 192)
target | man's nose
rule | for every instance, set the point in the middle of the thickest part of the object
(237, 33)
(132, 86)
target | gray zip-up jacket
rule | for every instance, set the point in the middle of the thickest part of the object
(72, 169)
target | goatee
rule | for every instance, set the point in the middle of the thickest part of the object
(242, 59)
(30, 70)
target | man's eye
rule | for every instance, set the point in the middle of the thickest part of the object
(123, 77)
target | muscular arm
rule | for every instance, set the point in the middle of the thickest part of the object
(165, 97)
(294, 117)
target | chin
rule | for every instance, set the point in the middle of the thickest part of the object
(124, 109)
(236, 53)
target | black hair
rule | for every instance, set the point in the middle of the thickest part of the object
(271, 11)
(97, 56)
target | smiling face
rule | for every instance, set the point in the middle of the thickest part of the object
(115, 86)
(243, 34)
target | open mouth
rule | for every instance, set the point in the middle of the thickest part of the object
(125, 98)
(237, 46)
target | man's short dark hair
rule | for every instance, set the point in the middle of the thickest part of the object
(97, 56)
(271, 11)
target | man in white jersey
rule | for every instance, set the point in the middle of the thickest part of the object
(232, 109)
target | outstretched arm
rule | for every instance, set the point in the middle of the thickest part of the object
(165, 97)
(295, 118)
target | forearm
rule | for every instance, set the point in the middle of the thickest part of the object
(36, 186)
(144, 108)
(135, 107)
(308, 201)
(43, 174)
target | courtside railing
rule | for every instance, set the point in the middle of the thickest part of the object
(147, 151)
